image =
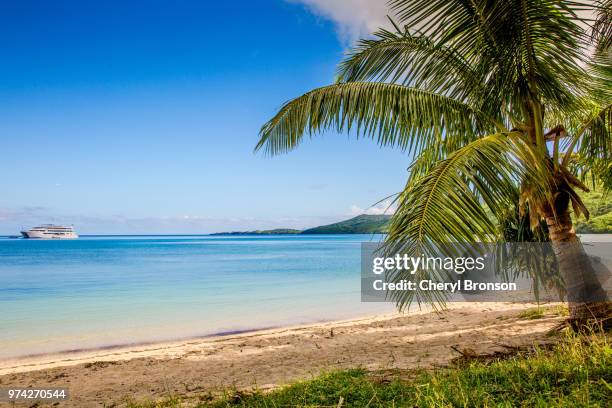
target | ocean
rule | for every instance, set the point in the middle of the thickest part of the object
(60, 295)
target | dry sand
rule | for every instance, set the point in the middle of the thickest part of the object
(270, 358)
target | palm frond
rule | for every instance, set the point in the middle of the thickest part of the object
(464, 22)
(596, 142)
(548, 44)
(522, 49)
(601, 33)
(589, 154)
(600, 70)
(442, 205)
(454, 202)
(393, 115)
(400, 57)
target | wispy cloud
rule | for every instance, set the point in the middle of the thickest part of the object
(383, 207)
(354, 19)
(8, 214)
(12, 220)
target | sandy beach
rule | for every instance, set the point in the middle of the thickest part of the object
(265, 359)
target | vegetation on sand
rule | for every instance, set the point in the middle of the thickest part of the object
(575, 373)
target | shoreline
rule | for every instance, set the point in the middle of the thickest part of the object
(40, 361)
(267, 359)
(169, 341)
(129, 345)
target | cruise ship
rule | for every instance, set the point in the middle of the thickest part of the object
(50, 231)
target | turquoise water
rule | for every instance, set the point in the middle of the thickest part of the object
(104, 291)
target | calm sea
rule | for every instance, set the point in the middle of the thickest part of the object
(103, 291)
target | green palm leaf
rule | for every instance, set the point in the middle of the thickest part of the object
(392, 114)
(456, 201)
(517, 45)
(407, 59)
(602, 29)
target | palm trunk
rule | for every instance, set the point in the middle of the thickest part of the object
(587, 299)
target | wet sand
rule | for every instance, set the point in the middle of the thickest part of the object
(269, 358)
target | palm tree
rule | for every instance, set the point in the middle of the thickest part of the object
(503, 105)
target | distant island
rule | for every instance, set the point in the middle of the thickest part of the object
(361, 224)
(277, 231)
(600, 222)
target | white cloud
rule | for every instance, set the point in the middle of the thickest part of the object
(383, 207)
(354, 19)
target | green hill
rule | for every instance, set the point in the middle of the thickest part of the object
(277, 231)
(600, 206)
(362, 224)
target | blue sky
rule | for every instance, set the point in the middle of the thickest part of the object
(141, 116)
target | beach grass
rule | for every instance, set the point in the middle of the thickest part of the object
(531, 314)
(541, 312)
(576, 372)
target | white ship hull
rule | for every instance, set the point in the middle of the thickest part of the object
(50, 232)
